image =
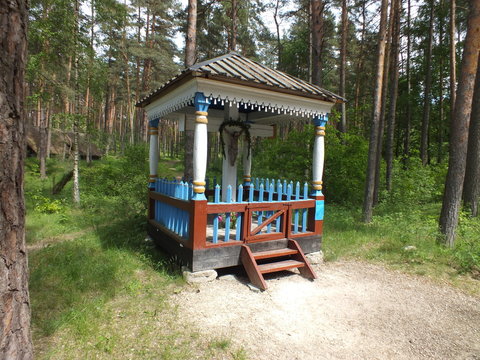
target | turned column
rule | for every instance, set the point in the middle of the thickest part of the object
(153, 132)
(247, 164)
(318, 154)
(315, 218)
(200, 146)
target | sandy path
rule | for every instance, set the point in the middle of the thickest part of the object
(352, 311)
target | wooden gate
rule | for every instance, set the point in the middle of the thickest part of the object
(266, 221)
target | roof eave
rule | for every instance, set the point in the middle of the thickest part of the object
(169, 86)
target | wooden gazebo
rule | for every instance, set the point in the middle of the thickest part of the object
(265, 224)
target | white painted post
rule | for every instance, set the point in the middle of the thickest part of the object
(200, 146)
(229, 172)
(318, 154)
(247, 163)
(154, 156)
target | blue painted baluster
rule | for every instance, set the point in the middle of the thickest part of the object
(260, 199)
(279, 189)
(156, 206)
(176, 221)
(161, 206)
(257, 183)
(250, 194)
(305, 191)
(289, 191)
(267, 184)
(297, 197)
(169, 214)
(215, 219)
(227, 215)
(238, 225)
(186, 215)
(271, 190)
(284, 187)
(181, 212)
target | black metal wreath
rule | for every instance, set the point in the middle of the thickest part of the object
(241, 124)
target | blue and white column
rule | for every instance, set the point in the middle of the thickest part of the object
(318, 154)
(154, 156)
(200, 146)
(247, 164)
(317, 168)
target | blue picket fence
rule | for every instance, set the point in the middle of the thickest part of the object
(227, 226)
(260, 190)
(173, 218)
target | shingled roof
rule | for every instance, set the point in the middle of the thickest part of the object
(234, 68)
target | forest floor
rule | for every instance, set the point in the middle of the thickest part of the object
(354, 310)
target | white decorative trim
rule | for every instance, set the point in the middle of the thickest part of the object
(263, 100)
(172, 101)
(266, 101)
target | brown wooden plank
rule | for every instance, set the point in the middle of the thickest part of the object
(269, 221)
(224, 208)
(273, 253)
(169, 233)
(198, 224)
(280, 266)
(307, 270)
(180, 204)
(266, 206)
(252, 268)
(303, 204)
(266, 237)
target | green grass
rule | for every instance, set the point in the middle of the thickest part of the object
(98, 289)
(387, 238)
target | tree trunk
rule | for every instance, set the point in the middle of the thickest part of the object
(424, 154)
(343, 64)
(408, 124)
(453, 59)
(42, 147)
(393, 92)
(381, 127)
(471, 191)
(232, 43)
(15, 342)
(190, 58)
(440, 129)
(372, 150)
(76, 152)
(317, 40)
(459, 128)
(191, 40)
(359, 67)
(277, 27)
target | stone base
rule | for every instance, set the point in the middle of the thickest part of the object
(315, 258)
(199, 277)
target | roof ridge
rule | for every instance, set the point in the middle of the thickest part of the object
(197, 66)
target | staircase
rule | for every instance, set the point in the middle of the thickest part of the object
(258, 263)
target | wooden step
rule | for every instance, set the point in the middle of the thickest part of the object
(274, 253)
(280, 266)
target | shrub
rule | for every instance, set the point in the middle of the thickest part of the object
(46, 205)
(345, 162)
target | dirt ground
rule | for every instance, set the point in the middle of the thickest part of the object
(352, 311)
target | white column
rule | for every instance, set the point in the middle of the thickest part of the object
(247, 163)
(200, 148)
(318, 157)
(229, 172)
(154, 156)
